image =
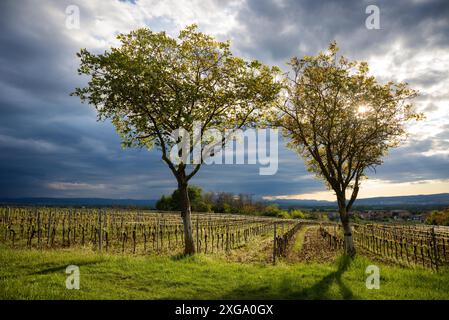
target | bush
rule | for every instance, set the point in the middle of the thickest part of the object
(202, 206)
(440, 218)
(164, 203)
(271, 211)
(283, 214)
(297, 214)
(173, 202)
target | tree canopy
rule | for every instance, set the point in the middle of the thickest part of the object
(153, 84)
(341, 120)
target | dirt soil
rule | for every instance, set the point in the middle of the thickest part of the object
(313, 249)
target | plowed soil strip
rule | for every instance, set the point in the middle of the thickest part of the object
(312, 249)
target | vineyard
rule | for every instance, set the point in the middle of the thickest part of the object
(138, 254)
(136, 232)
(143, 232)
(427, 246)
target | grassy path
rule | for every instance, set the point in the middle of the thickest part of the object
(41, 275)
(297, 244)
(299, 239)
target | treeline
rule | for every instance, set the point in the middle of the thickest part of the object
(440, 218)
(226, 202)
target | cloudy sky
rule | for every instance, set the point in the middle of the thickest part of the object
(51, 144)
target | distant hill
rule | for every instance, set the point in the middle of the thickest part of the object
(91, 202)
(441, 199)
(432, 200)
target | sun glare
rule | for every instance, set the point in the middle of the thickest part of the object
(362, 109)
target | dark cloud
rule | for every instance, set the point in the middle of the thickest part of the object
(407, 164)
(51, 145)
(278, 30)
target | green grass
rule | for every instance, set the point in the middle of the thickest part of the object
(299, 239)
(41, 275)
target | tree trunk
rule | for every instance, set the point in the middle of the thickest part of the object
(348, 240)
(189, 245)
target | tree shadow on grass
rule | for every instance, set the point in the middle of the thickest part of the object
(62, 268)
(44, 271)
(289, 288)
(181, 256)
(320, 290)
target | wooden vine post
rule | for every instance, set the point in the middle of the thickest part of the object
(100, 233)
(435, 249)
(39, 231)
(197, 235)
(274, 244)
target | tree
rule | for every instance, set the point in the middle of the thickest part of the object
(153, 84)
(195, 197)
(438, 218)
(342, 122)
(164, 203)
(174, 202)
(297, 214)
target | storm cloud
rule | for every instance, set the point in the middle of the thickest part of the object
(52, 145)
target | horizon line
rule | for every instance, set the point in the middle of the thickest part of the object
(154, 199)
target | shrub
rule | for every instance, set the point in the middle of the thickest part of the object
(297, 214)
(438, 218)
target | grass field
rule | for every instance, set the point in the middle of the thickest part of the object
(32, 274)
